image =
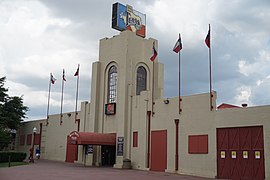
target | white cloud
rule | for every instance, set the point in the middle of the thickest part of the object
(31, 98)
(259, 82)
(258, 73)
(258, 67)
(33, 44)
(189, 18)
(243, 95)
(243, 68)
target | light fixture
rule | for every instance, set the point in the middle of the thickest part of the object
(166, 101)
(34, 130)
(31, 158)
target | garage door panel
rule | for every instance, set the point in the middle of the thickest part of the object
(245, 138)
(259, 169)
(223, 136)
(224, 164)
(223, 161)
(233, 138)
(258, 153)
(235, 168)
(257, 138)
(246, 165)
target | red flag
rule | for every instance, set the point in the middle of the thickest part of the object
(64, 76)
(207, 39)
(52, 79)
(178, 45)
(77, 72)
(154, 53)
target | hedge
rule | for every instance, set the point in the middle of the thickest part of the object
(14, 156)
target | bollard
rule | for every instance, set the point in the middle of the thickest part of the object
(126, 164)
(9, 158)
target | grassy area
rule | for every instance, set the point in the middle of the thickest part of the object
(3, 165)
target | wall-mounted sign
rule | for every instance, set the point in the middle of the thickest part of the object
(73, 142)
(89, 149)
(120, 146)
(245, 154)
(73, 136)
(257, 154)
(222, 154)
(110, 108)
(233, 154)
(126, 18)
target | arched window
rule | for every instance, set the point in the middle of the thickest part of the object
(141, 80)
(112, 84)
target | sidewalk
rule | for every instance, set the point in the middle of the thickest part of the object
(50, 170)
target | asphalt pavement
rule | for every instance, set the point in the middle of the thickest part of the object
(52, 170)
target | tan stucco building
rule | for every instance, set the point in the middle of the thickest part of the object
(128, 118)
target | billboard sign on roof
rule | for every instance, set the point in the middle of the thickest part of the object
(126, 18)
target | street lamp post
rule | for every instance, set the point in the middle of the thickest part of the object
(33, 143)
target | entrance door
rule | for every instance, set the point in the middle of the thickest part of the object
(158, 150)
(240, 153)
(71, 152)
(107, 155)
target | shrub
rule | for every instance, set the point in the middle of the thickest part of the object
(14, 156)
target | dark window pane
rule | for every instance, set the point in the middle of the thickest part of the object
(141, 80)
(112, 84)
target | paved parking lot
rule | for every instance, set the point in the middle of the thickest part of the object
(50, 170)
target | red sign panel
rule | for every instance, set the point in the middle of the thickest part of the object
(110, 109)
(198, 144)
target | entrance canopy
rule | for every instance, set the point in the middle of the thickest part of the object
(80, 138)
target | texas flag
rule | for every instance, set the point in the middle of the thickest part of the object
(178, 45)
(77, 72)
(207, 38)
(64, 76)
(52, 79)
(154, 53)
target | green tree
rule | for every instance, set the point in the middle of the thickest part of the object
(3, 90)
(5, 138)
(12, 112)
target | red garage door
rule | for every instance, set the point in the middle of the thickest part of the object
(159, 150)
(240, 153)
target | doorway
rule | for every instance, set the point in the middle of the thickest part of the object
(107, 155)
(71, 152)
(158, 150)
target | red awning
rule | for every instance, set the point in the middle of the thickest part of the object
(81, 138)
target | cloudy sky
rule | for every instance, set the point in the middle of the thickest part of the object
(42, 36)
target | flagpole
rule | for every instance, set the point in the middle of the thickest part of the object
(62, 95)
(48, 105)
(153, 85)
(76, 103)
(179, 80)
(210, 74)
